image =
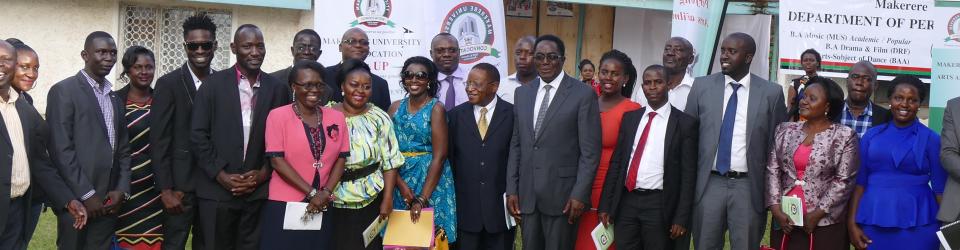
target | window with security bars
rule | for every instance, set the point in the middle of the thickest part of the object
(160, 29)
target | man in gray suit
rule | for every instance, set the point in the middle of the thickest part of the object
(950, 159)
(740, 112)
(554, 151)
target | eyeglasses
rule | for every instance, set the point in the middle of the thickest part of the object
(476, 85)
(450, 50)
(550, 57)
(319, 85)
(304, 48)
(198, 45)
(419, 76)
(355, 42)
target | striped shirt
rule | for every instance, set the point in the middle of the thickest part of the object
(103, 93)
(20, 174)
(859, 123)
(372, 141)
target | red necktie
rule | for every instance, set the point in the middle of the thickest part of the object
(631, 182)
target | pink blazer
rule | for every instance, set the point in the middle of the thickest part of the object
(287, 138)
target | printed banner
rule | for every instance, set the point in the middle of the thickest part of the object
(400, 29)
(698, 21)
(945, 77)
(895, 35)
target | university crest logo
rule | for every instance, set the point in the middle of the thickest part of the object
(372, 13)
(953, 29)
(472, 25)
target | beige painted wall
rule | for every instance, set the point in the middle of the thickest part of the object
(58, 38)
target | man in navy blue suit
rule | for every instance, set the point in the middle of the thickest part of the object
(480, 134)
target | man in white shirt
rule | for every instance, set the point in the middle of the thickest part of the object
(523, 62)
(445, 51)
(648, 191)
(677, 56)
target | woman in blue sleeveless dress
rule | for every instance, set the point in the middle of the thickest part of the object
(421, 126)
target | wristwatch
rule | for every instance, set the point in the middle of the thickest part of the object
(126, 196)
(313, 193)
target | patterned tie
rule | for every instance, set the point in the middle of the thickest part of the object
(451, 94)
(543, 109)
(482, 124)
(631, 183)
(726, 131)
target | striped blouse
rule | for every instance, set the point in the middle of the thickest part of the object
(371, 141)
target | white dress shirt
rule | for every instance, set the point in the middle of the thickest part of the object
(508, 88)
(20, 165)
(540, 94)
(490, 107)
(459, 76)
(650, 172)
(738, 147)
(247, 93)
(196, 80)
(678, 95)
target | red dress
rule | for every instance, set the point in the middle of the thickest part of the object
(610, 127)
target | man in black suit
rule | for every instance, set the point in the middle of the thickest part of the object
(859, 112)
(306, 47)
(228, 142)
(480, 133)
(356, 45)
(173, 163)
(26, 165)
(89, 145)
(648, 192)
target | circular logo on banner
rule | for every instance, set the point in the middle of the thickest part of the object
(953, 29)
(472, 25)
(372, 13)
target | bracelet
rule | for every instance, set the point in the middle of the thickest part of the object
(423, 202)
(313, 193)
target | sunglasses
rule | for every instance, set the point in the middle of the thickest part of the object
(419, 76)
(195, 46)
(549, 57)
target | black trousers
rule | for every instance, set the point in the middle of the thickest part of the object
(485, 240)
(12, 237)
(233, 224)
(96, 235)
(350, 223)
(177, 227)
(639, 223)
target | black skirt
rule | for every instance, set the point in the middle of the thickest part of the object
(272, 235)
(350, 224)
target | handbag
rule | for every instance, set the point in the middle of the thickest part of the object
(440, 241)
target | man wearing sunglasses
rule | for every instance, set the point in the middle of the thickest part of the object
(445, 51)
(554, 153)
(306, 47)
(173, 161)
(356, 45)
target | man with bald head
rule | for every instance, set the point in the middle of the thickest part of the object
(738, 113)
(677, 56)
(89, 145)
(523, 63)
(445, 51)
(229, 117)
(356, 45)
(859, 112)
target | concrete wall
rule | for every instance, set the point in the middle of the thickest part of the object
(56, 30)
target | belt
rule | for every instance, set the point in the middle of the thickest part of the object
(349, 175)
(731, 174)
(645, 191)
(412, 154)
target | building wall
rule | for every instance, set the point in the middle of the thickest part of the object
(58, 39)
(597, 32)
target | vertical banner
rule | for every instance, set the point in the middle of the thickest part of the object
(945, 72)
(699, 22)
(895, 36)
(400, 29)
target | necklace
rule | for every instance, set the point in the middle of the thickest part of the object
(314, 136)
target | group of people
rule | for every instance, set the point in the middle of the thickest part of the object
(220, 154)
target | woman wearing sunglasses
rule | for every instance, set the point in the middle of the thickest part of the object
(421, 126)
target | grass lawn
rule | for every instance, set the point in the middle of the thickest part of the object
(45, 237)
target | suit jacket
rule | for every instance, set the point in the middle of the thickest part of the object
(217, 131)
(283, 76)
(480, 166)
(174, 166)
(559, 164)
(379, 96)
(766, 109)
(830, 175)
(79, 145)
(679, 168)
(950, 159)
(880, 115)
(42, 172)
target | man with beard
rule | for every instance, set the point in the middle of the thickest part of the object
(523, 62)
(172, 158)
(227, 132)
(677, 55)
(355, 45)
(859, 112)
(89, 145)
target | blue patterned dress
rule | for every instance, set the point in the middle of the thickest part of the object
(413, 133)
